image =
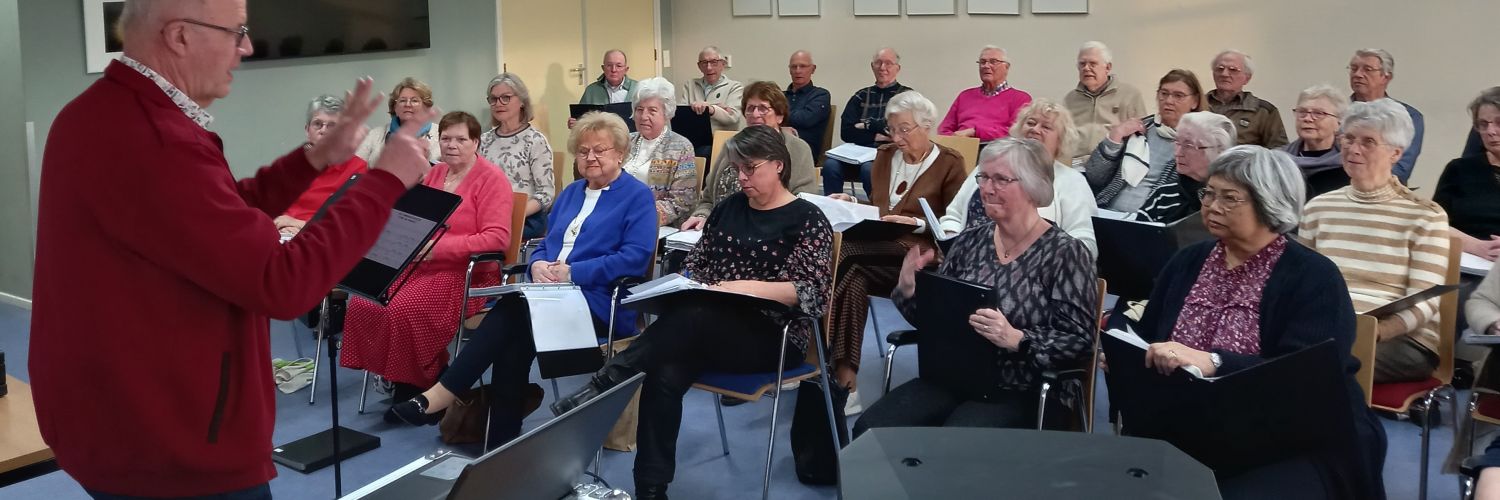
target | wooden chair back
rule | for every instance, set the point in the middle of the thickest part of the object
(1448, 314)
(833, 117)
(967, 148)
(1365, 327)
(702, 166)
(558, 167)
(1093, 368)
(720, 137)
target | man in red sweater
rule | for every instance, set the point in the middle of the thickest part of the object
(156, 270)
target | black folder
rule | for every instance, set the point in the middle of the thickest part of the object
(873, 230)
(621, 109)
(1132, 253)
(373, 277)
(693, 126)
(667, 302)
(949, 352)
(1410, 301)
(1283, 406)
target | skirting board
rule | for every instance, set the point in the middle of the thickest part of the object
(6, 298)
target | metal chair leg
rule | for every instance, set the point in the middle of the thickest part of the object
(719, 411)
(555, 393)
(364, 385)
(817, 342)
(890, 363)
(765, 488)
(1041, 405)
(1426, 437)
(875, 324)
(312, 392)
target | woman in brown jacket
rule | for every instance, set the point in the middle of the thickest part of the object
(911, 167)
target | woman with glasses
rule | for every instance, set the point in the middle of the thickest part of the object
(1072, 208)
(519, 149)
(1249, 295)
(762, 241)
(766, 105)
(410, 97)
(1318, 114)
(1201, 137)
(405, 342)
(1046, 293)
(1469, 189)
(1387, 242)
(601, 229)
(910, 168)
(1137, 157)
(659, 157)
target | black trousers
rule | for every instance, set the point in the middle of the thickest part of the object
(673, 352)
(502, 342)
(919, 403)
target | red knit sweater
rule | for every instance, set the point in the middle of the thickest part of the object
(155, 273)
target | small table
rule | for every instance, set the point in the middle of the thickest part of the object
(23, 455)
(956, 462)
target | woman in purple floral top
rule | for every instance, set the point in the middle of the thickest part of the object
(763, 241)
(1253, 294)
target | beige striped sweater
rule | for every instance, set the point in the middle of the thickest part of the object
(1388, 244)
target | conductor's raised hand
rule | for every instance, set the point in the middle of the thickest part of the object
(405, 154)
(339, 143)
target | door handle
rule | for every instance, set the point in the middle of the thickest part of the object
(578, 71)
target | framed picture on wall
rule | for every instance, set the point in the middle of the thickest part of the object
(752, 7)
(1059, 6)
(877, 7)
(1004, 7)
(930, 7)
(790, 8)
(100, 42)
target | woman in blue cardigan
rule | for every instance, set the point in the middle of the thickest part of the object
(601, 228)
(1253, 294)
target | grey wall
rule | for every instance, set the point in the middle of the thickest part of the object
(15, 190)
(260, 120)
(262, 117)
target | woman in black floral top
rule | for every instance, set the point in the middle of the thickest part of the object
(763, 241)
(1047, 297)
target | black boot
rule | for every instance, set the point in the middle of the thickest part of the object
(589, 391)
(648, 491)
(620, 369)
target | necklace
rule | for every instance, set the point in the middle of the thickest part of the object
(907, 173)
(1025, 241)
(451, 179)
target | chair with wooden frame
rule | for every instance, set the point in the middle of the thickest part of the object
(1400, 397)
(967, 148)
(833, 117)
(720, 137)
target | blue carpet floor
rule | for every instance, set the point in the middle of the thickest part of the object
(702, 471)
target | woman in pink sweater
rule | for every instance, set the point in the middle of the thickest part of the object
(405, 341)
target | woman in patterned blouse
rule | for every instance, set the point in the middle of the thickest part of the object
(519, 149)
(1253, 294)
(1046, 290)
(763, 241)
(659, 157)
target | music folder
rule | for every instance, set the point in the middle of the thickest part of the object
(693, 126)
(621, 109)
(1285, 405)
(562, 328)
(1132, 253)
(1410, 301)
(673, 291)
(949, 351)
(417, 218)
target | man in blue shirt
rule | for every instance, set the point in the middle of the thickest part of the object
(1370, 73)
(807, 103)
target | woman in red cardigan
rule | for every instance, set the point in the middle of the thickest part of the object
(404, 342)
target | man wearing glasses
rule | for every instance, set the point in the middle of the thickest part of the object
(807, 103)
(714, 94)
(1257, 121)
(1370, 74)
(863, 119)
(138, 199)
(613, 86)
(986, 112)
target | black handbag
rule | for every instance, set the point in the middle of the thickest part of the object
(817, 462)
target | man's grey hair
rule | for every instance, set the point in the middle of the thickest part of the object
(1384, 116)
(660, 89)
(1029, 162)
(1215, 129)
(894, 54)
(1249, 64)
(710, 48)
(614, 51)
(1327, 92)
(1274, 183)
(513, 81)
(326, 104)
(1095, 45)
(1005, 54)
(139, 14)
(1387, 62)
(921, 108)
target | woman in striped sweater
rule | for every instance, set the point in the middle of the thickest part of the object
(1386, 242)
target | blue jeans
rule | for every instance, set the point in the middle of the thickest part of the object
(833, 175)
(262, 492)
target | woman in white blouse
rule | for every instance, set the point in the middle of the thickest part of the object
(519, 149)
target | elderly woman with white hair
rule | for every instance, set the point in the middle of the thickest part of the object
(910, 168)
(1387, 242)
(1250, 295)
(1319, 112)
(659, 157)
(1046, 294)
(322, 116)
(519, 149)
(1201, 137)
(1072, 207)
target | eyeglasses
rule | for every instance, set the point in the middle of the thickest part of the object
(992, 62)
(999, 181)
(1184, 145)
(903, 132)
(1172, 96)
(1355, 68)
(502, 99)
(710, 62)
(1364, 143)
(239, 33)
(759, 109)
(748, 170)
(1315, 114)
(1225, 201)
(883, 64)
(320, 124)
(413, 101)
(613, 66)
(1227, 69)
(593, 153)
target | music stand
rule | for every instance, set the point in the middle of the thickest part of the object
(416, 219)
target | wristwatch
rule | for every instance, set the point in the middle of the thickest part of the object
(1214, 358)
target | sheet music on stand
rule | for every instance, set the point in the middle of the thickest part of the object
(417, 218)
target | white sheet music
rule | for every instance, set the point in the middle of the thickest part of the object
(402, 235)
(1474, 264)
(852, 153)
(560, 319)
(842, 212)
